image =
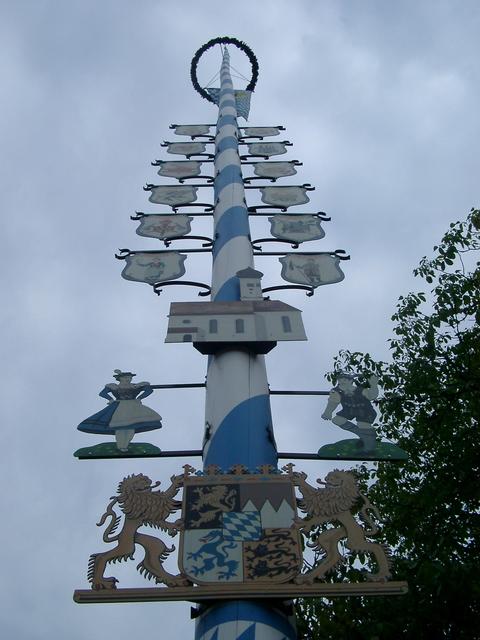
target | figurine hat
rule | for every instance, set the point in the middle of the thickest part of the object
(344, 374)
(117, 373)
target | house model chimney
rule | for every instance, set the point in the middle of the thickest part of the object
(250, 284)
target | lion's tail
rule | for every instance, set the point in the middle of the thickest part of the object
(113, 524)
(371, 528)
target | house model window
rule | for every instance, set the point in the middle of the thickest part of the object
(286, 324)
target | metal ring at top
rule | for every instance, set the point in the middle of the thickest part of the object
(224, 40)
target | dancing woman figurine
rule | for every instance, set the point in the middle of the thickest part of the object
(125, 414)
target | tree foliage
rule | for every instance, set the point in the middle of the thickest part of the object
(431, 503)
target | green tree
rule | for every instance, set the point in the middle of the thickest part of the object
(431, 503)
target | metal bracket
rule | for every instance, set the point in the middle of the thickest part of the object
(190, 155)
(341, 254)
(297, 163)
(319, 214)
(306, 185)
(294, 245)
(140, 214)
(310, 290)
(124, 253)
(287, 143)
(165, 143)
(209, 242)
(157, 288)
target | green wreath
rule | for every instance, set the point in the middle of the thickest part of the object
(225, 40)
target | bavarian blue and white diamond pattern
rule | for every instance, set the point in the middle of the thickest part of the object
(242, 526)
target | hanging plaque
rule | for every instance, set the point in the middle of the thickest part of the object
(179, 168)
(154, 266)
(266, 149)
(284, 196)
(259, 132)
(192, 129)
(274, 169)
(164, 226)
(186, 148)
(174, 195)
(313, 269)
(296, 228)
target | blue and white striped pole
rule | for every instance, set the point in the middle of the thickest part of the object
(237, 402)
(238, 416)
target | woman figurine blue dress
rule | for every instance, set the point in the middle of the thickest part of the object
(125, 414)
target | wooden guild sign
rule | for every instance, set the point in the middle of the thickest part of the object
(240, 536)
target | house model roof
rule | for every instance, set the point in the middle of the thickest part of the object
(228, 307)
(249, 273)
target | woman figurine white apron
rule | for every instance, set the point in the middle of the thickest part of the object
(125, 414)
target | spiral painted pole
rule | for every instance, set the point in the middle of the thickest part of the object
(238, 417)
(238, 414)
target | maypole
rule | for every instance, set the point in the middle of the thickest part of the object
(238, 416)
(241, 552)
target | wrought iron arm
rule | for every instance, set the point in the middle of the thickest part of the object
(140, 214)
(297, 163)
(310, 290)
(209, 179)
(294, 245)
(200, 155)
(190, 385)
(248, 180)
(319, 214)
(207, 206)
(341, 254)
(298, 393)
(124, 253)
(165, 143)
(197, 124)
(306, 185)
(157, 288)
(158, 163)
(150, 186)
(287, 143)
(209, 242)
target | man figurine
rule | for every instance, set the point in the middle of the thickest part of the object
(356, 405)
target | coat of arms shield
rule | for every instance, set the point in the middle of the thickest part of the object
(266, 149)
(296, 228)
(154, 266)
(179, 169)
(174, 195)
(313, 269)
(186, 148)
(239, 528)
(163, 226)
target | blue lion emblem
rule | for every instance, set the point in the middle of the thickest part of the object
(213, 554)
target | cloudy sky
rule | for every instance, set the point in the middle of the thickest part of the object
(379, 100)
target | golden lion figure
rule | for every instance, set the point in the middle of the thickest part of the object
(210, 500)
(141, 506)
(333, 504)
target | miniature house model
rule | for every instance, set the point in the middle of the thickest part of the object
(251, 322)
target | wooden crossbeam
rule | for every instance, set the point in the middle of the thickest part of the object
(224, 591)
